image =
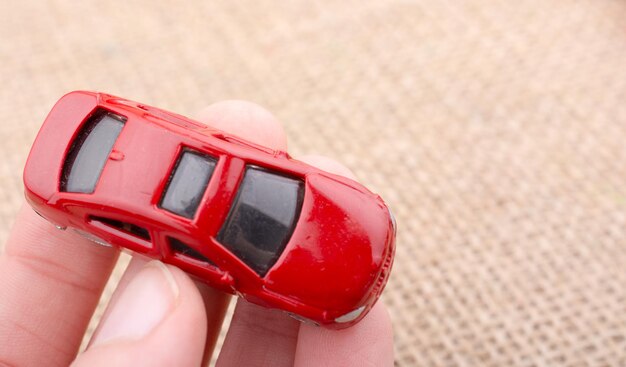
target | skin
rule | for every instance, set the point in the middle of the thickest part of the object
(51, 281)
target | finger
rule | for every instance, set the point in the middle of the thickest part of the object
(253, 123)
(246, 120)
(368, 343)
(50, 283)
(256, 124)
(157, 320)
(257, 336)
(215, 304)
(136, 264)
(262, 337)
(327, 164)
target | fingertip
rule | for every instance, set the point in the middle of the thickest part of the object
(369, 342)
(160, 306)
(327, 164)
(379, 316)
(259, 336)
(246, 120)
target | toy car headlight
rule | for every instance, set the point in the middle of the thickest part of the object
(393, 220)
(350, 316)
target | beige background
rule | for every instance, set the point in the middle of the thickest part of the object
(496, 131)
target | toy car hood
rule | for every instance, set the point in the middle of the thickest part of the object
(327, 242)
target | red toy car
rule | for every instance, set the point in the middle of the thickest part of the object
(241, 217)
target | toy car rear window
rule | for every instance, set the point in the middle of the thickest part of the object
(90, 151)
(187, 183)
(262, 218)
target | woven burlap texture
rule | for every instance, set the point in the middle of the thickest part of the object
(496, 131)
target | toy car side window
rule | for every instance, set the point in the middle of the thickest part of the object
(187, 183)
(180, 248)
(129, 228)
(90, 151)
(262, 218)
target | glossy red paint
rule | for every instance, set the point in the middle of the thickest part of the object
(334, 266)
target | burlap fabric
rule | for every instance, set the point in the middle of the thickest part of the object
(496, 130)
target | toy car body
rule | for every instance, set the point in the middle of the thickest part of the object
(241, 217)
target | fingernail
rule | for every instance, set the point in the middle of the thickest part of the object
(144, 303)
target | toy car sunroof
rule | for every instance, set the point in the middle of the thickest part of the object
(273, 230)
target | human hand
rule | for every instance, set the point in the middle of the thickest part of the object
(50, 283)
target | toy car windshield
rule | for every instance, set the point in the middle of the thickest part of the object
(262, 218)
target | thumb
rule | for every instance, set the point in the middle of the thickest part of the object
(157, 320)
